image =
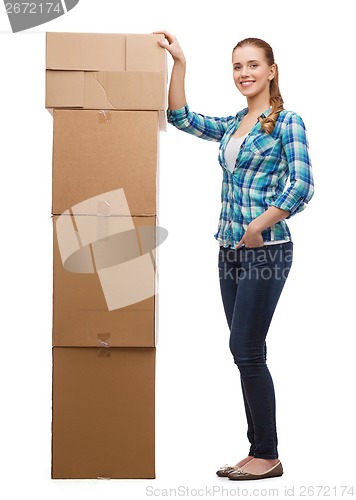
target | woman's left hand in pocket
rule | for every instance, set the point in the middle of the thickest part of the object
(251, 238)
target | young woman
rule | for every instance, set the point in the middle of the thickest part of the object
(261, 147)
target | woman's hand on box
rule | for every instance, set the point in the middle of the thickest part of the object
(171, 45)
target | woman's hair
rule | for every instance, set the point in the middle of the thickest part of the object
(276, 101)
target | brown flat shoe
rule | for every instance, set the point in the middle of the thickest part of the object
(225, 470)
(241, 475)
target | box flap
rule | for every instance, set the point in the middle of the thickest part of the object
(85, 51)
(130, 90)
(144, 54)
(66, 88)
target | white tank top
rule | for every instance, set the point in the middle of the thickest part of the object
(231, 152)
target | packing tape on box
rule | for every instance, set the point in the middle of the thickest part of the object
(93, 216)
(103, 221)
(103, 340)
(104, 116)
(108, 243)
(103, 344)
(103, 352)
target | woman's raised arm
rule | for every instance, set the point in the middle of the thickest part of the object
(176, 94)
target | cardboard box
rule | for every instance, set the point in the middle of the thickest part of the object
(104, 52)
(131, 90)
(105, 282)
(105, 239)
(103, 413)
(106, 71)
(99, 151)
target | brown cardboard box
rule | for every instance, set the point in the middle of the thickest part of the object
(105, 290)
(125, 90)
(103, 413)
(106, 71)
(104, 52)
(105, 300)
(99, 151)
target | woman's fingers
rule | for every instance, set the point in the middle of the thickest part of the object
(167, 34)
(172, 46)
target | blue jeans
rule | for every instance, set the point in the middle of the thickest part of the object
(251, 282)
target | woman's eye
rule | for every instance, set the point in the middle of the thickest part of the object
(238, 68)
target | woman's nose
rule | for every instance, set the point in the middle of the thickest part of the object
(245, 72)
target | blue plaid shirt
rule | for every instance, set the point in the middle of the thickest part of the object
(264, 164)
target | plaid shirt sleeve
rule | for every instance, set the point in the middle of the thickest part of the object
(205, 127)
(295, 144)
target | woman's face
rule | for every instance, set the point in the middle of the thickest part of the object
(252, 74)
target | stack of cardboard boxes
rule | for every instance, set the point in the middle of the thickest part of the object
(107, 93)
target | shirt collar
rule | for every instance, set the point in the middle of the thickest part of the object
(244, 111)
(265, 113)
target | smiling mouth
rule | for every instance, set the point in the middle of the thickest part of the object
(247, 83)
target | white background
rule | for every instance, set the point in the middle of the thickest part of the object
(200, 422)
